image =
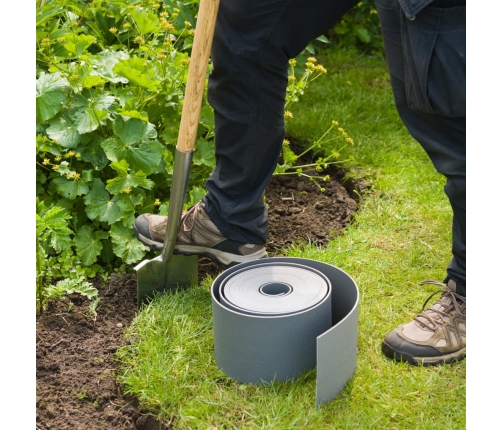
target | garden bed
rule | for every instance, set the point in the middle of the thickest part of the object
(75, 363)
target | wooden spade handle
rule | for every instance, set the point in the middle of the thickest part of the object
(197, 70)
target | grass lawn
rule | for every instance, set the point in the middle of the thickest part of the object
(400, 237)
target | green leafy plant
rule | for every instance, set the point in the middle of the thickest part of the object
(109, 94)
(53, 234)
(360, 27)
(110, 86)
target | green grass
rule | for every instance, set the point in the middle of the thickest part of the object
(400, 236)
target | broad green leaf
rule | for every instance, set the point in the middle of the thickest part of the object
(133, 130)
(115, 149)
(127, 204)
(53, 226)
(88, 244)
(196, 194)
(139, 72)
(90, 81)
(104, 63)
(204, 153)
(69, 188)
(91, 151)
(125, 245)
(98, 204)
(362, 33)
(145, 158)
(76, 45)
(63, 130)
(102, 102)
(143, 116)
(50, 95)
(168, 161)
(87, 120)
(147, 22)
(126, 181)
(323, 39)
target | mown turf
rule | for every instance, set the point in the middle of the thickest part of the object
(400, 237)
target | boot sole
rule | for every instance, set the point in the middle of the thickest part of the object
(423, 361)
(222, 259)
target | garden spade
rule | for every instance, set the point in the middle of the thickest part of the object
(167, 270)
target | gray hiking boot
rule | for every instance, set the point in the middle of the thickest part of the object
(435, 336)
(197, 235)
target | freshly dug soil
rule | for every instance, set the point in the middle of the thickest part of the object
(76, 386)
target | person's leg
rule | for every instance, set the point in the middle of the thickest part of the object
(254, 40)
(426, 101)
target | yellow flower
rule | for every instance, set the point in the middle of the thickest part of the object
(167, 26)
(188, 24)
(156, 5)
(46, 42)
(320, 69)
(126, 25)
(349, 140)
(139, 40)
(335, 154)
(56, 166)
(76, 177)
(164, 14)
(185, 62)
(288, 115)
(326, 178)
(157, 202)
(191, 32)
(292, 62)
(77, 155)
(310, 65)
(46, 161)
(285, 142)
(291, 78)
(160, 56)
(334, 122)
(69, 154)
(58, 158)
(127, 190)
(113, 30)
(312, 59)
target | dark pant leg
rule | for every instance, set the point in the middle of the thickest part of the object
(253, 42)
(433, 110)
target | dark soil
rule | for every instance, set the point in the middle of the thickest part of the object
(76, 386)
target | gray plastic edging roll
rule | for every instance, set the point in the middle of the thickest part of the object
(277, 317)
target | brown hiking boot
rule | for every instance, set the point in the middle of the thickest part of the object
(197, 235)
(435, 336)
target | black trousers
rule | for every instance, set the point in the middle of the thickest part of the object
(253, 43)
(426, 60)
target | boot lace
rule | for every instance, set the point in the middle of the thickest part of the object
(433, 317)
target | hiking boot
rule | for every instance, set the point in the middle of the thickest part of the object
(435, 336)
(197, 235)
